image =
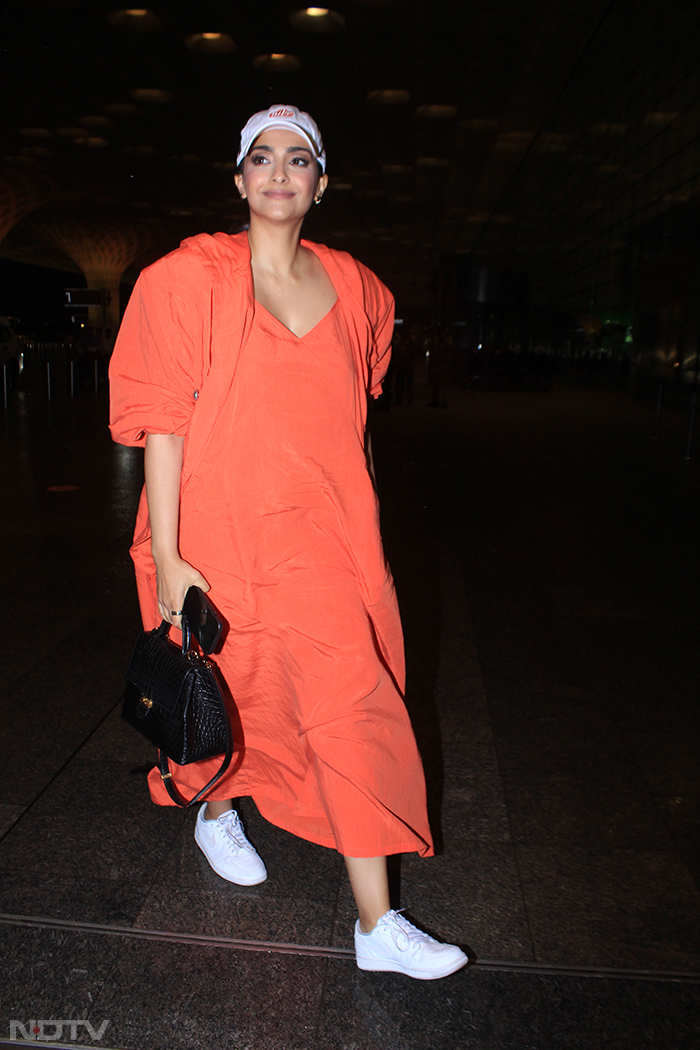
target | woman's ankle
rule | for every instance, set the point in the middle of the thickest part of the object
(216, 809)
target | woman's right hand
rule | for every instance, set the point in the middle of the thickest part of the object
(174, 578)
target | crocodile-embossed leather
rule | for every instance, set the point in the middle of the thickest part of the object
(173, 698)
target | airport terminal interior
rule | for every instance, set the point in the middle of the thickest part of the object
(524, 175)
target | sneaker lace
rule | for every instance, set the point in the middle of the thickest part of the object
(231, 824)
(404, 934)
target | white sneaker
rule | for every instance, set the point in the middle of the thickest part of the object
(223, 843)
(396, 945)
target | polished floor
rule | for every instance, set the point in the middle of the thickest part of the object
(547, 560)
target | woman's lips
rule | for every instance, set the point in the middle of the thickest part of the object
(278, 193)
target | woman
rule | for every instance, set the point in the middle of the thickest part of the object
(243, 364)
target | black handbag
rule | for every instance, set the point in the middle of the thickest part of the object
(172, 696)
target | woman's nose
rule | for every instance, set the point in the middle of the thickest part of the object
(279, 174)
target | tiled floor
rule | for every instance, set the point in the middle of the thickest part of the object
(546, 557)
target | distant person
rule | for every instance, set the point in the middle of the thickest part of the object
(243, 365)
(440, 348)
(106, 343)
(404, 354)
(85, 353)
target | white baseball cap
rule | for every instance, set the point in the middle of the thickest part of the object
(288, 117)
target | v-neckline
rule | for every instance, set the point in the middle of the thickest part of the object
(297, 338)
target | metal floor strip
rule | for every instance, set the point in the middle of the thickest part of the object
(319, 951)
(202, 939)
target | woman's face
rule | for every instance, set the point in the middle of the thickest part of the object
(280, 176)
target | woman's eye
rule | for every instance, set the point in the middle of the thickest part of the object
(258, 158)
(302, 161)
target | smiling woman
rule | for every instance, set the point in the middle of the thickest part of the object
(243, 364)
(279, 180)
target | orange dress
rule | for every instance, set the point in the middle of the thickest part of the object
(283, 523)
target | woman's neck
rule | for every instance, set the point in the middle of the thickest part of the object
(274, 249)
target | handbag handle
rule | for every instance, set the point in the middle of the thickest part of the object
(165, 774)
(164, 630)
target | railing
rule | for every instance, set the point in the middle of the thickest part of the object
(56, 368)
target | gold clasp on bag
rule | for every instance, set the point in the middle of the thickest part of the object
(166, 776)
(200, 661)
(148, 704)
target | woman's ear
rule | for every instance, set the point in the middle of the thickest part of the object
(321, 187)
(238, 179)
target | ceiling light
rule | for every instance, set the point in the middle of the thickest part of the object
(97, 121)
(436, 112)
(135, 20)
(342, 186)
(317, 20)
(122, 109)
(396, 169)
(154, 95)
(141, 151)
(610, 129)
(389, 97)
(277, 63)
(659, 117)
(35, 133)
(512, 141)
(211, 43)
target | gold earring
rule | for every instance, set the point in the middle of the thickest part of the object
(317, 200)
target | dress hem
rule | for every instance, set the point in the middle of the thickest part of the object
(415, 845)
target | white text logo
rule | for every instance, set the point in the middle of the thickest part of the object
(43, 1031)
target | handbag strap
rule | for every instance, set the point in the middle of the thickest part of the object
(172, 789)
(165, 774)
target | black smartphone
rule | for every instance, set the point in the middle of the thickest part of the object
(204, 619)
